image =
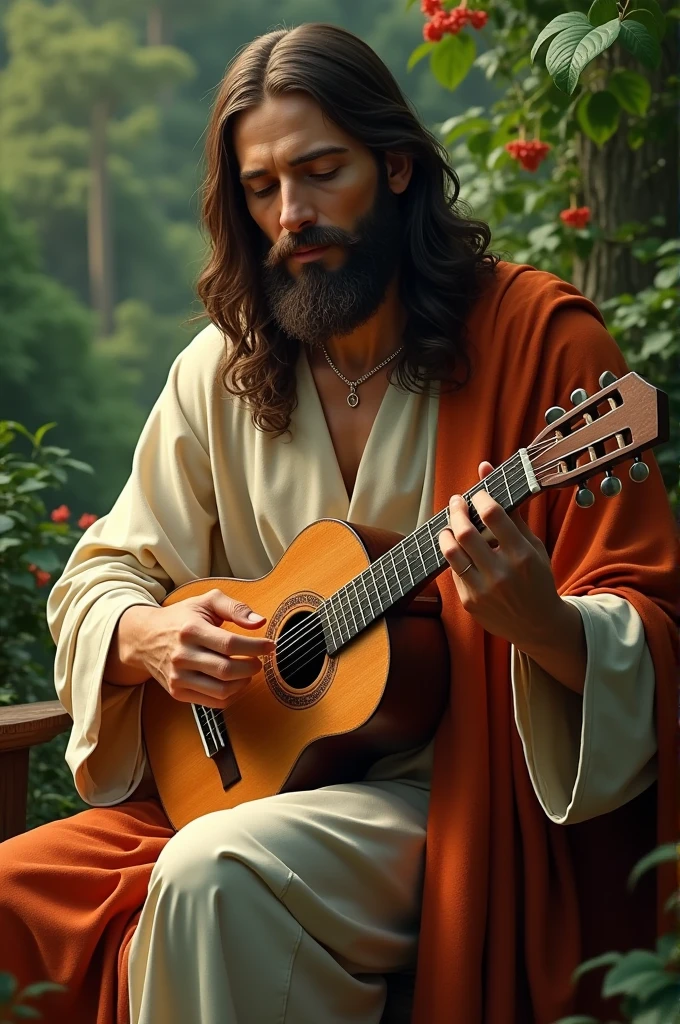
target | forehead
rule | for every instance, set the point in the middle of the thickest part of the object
(283, 127)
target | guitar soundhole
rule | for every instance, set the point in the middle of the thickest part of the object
(302, 650)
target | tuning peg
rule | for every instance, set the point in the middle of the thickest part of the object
(607, 378)
(578, 396)
(554, 413)
(611, 484)
(584, 496)
(639, 471)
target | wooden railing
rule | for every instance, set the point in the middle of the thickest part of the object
(23, 726)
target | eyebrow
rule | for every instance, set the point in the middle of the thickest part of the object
(313, 154)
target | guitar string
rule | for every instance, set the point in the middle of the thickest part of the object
(311, 629)
(293, 638)
(508, 478)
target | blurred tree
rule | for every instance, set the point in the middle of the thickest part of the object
(65, 80)
(51, 369)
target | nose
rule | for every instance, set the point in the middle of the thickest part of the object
(296, 212)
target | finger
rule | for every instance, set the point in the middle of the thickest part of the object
(197, 688)
(467, 535)
(454, 554)
(227, 643)
(484, 469)
(222, 669)
(501, 525)
(229, 609)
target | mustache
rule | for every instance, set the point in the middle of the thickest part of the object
(284, 249)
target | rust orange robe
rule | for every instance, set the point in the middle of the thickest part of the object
(512, 901)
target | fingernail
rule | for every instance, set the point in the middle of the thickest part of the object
(254, 617)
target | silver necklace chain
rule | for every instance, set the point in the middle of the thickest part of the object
(353, 398)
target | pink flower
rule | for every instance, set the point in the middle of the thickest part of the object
(87, 519)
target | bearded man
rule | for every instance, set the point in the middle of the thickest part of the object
(367, 359)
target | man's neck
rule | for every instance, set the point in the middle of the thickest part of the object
(359, 352)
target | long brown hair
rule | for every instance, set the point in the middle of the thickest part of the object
(445, 253)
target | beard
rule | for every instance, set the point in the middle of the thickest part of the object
(320, 304)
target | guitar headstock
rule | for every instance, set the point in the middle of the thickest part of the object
(623, 419)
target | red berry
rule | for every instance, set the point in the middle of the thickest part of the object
(430, 7)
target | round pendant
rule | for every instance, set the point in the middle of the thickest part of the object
(353, 399)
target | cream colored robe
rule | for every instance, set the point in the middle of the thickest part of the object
(211, 495)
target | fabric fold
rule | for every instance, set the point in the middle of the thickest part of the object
(589, 754)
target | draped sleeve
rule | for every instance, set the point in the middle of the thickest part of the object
(156, 537)
(593, 752)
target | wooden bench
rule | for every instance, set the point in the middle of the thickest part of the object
(23, 726)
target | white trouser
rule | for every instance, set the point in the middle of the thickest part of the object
(286, 910)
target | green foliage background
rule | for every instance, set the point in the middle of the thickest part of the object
(155, 66)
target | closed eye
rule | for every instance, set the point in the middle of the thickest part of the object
(320, 177)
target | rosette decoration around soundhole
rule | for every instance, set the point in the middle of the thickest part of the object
(300, 671)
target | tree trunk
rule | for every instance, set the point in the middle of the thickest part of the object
(622, 185)
(100, 248)
(155, 35)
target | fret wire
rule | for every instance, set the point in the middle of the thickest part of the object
(356, 592)
(370, 603)
(396, 571)
(504, 478)
(345, 597)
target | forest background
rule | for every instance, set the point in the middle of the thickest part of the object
(103, 108)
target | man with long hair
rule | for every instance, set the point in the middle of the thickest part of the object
(366, 359)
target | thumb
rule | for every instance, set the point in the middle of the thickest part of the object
(229, 609)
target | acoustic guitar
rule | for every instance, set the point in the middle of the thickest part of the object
(361, 668)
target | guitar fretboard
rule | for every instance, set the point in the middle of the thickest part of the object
(414, 560)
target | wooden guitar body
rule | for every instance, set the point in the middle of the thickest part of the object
(314, 719)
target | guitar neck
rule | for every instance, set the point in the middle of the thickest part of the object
(416, 559)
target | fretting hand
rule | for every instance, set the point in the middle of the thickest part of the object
(509, 588)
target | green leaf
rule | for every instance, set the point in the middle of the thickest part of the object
(578, 1019)
(661, 855)
(480, 143)
(468, 125)
(409, 3)
(26, 1013)
(603, 960)
(19, 428)
(53, 450)
(668, 277)
(31, 485)
(668, 946)
(636, 136)
(452, 59)
(602, 11)
(652, 8)
(639, 41)
(39, 988)
(568, 60)
(620, 980)
(8, 986)
(41, 431)
(632, 90)
(558, 24)
(598, 115)
(672, 245)
(8, 542)
(6, 523)
(43, 558)
(418, 54)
